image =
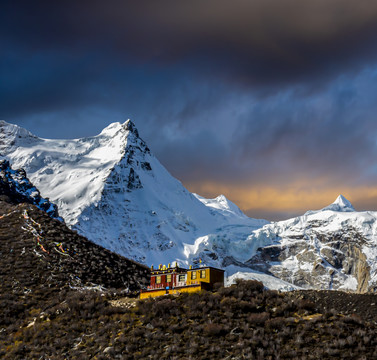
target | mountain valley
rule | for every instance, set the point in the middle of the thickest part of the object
(112, 190)
(64, 296)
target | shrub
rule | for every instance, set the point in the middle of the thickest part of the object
(275, 323)
(213, 330)
(306, 305)
(258, 319)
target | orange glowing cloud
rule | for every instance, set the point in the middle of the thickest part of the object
(287, 200)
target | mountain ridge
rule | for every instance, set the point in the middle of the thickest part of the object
(331, 248)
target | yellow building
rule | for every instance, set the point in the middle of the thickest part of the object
(174, 280)
(207, 275)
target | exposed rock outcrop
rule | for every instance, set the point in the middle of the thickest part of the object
(16, 188)
(318, 259)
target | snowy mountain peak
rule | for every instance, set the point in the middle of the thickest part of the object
(340, 204)
(221, 204)
(73, 172)
(13, 131)
(126, 140)
(117, 127)
(112, 189)
(130, 126)
(11, 134)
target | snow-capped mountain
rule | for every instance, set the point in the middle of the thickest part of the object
(332, 248)
(222, 205)
(111, 189)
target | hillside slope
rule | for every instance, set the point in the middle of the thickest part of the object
(240, 322)
(38, 251)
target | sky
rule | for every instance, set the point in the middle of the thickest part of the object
(272, 103)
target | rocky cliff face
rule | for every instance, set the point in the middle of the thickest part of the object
(318, 260)
(16, 187)
(333, 248)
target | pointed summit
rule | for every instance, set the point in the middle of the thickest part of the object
(117, 128)
(340, 204)
(221, 203)
(131, 127)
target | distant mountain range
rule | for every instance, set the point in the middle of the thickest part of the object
(332, 248)
(111, 189)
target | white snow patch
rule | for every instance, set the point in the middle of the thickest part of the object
(349, 284)
(270, 282)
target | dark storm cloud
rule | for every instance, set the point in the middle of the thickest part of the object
(250, 42)
(325, 139)
(330, 135)
(43, 81)
(73, 54)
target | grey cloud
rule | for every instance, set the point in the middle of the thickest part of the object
(332, 135)
(248, 42)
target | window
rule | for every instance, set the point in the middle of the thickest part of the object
(193, 275)
(202, 274)
(168, 278)
(158, 279)
(181, 278)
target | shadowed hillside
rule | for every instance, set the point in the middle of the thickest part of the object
(48, 308)
(38, 251)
